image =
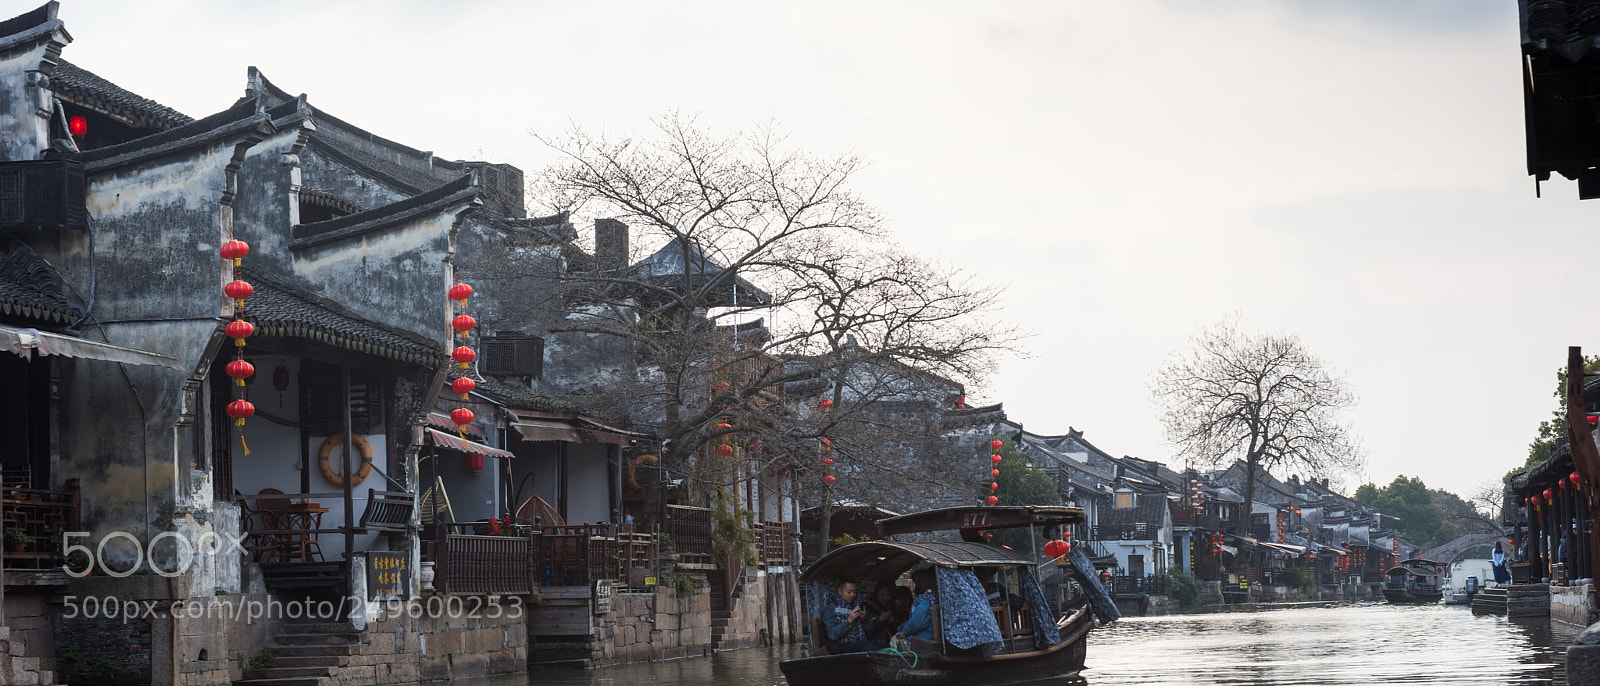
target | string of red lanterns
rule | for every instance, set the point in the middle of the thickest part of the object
(239, 329)
(994, 470)
(463, 354)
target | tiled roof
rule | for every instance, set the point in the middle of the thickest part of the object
(30, 287)
(520, 397)
(665, 268)
(239, 118)
(285, 312)
(75, 84)
(456, 192)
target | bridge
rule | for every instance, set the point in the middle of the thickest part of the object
(1448, 552)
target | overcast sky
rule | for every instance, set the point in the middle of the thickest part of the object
(1352, 172)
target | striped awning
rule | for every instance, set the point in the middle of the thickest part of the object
(28, 342)
(448, 442)
(545, 430)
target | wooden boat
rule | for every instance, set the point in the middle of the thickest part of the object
(1025, 650)
(1413, 581)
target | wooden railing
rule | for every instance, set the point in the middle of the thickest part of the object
(468, 564)
(39, 517)
(575, 555)
(774, 543)
(690, 528)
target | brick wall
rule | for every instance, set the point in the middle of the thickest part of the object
(27, 646)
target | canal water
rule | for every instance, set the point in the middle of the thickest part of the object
(1361, 644)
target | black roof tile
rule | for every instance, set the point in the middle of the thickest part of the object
(283, 311)
(459, 191)
(30, 287)
(78, 85)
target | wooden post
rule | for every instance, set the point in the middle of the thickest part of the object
(349, 476)
(1585, 457)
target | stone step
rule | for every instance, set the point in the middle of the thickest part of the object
(312, 650)
(721, 614)
(317, 639)
(318, 628)
(277, 672)
(281, 660)
(290, 681)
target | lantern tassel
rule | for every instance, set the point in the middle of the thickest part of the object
(242, 444)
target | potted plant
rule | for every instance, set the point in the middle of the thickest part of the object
(17, 540)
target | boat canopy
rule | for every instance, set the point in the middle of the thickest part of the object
(980, 517)
(881, 561)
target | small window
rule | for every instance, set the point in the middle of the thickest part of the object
(1124, 499)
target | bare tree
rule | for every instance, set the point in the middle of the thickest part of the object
(771, 273)
(1263, 399)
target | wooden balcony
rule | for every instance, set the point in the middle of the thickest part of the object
(470, 564)
(39, 517)
(690, 528)
(774, 544)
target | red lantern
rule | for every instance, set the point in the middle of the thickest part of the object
(475, 463)
(1562, 483)
(724, 426)
(1057, 548)
(827, 442)
(1594, 418)
(828, 480)
(233, 250)
(240, 329)
(463, 385)
(460, 291)
(1548, 494)
(461, 416)
(991, 500)
(997, 444)
(239, 409)
(463, 354)
(827, 461)
(78, 125)
(995, 459)
(463, 322)
(238, 290)
(241, 370)
(993, 485)
(724, 450)
(994, 473)
(825, 403)
(720, 386)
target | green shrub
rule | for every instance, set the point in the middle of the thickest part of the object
(1293, 577)
(1184, 588)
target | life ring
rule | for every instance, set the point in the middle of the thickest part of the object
(335, 440)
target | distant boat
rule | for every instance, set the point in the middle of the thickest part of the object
(1464, 578)
(1413, 581)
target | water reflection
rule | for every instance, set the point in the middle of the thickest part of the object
(1350, 645)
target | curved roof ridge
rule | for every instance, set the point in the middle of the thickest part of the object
(316, 233)
(242, 115)
(83, 87)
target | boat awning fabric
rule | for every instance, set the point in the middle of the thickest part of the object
(545, 430)
(26, 342)
(881, 561)
(448, 442)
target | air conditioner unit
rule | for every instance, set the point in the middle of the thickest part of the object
(513, 355)
(42, 194)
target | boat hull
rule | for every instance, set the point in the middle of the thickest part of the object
(887, 669)
(1405, 597)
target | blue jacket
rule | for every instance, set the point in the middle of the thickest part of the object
(837, 619)
(920, 624)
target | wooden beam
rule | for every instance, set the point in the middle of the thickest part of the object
(1585, 457)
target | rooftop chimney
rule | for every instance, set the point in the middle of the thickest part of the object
(610, 244)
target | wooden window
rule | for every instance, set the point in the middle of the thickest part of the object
(1124, 499)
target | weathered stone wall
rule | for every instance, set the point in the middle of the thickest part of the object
(25, 107)
(27, 644)
(438, 646)
(1574, 604)
(654, 626)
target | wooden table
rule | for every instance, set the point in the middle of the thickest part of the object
(294, 532)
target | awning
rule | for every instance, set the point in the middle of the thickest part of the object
(25, 342)
(457, 444)
(1284, 547)
(1229, 549)
(1331, 549)
(443, 423)
(545, 430)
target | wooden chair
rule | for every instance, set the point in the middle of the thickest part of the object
(388, 511)
(270, 505)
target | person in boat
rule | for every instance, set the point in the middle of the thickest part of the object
(896, 610)
(846, 621)
(998, 594)
(920, 624)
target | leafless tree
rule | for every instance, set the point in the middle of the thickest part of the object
(757, 232)
(1260, 398)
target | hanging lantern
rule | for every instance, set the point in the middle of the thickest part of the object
(991, 500)
(827, 461)
(475, 463)
(993, 485)
(829, 479)
(995, 459)
(463, 385)
(460, 291)
(463, 323)
(1575, 485)
(239, 409)
(994, 473)
(724, 426)
(463, 354)
(240, 329)
(235, 250)
(825, 404)
(238, 290)
(1548, 495)
(240, 370)
(78, 125)
(724, 450)
(961, 402)
(461, 416)
(997, 444)
(1562, 483)
(1056, 548)
(720, 386)
(826, 444)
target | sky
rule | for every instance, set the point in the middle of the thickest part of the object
(1352, 173)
